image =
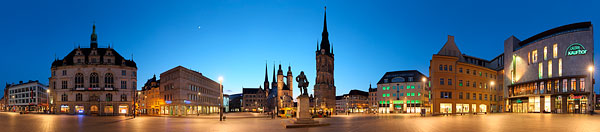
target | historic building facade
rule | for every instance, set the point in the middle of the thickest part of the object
(373, 100)
(279, 94)
(93, 80)
(551, 72)
(254, 99)
(149, 99)
(402, 92)
(27, 96)
(188, 92)
(465, 84)
(355, 101)
(324, 87)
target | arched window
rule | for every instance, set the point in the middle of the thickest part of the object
(78, 80)
(109, 80)
(108, 97)
(123, 97)
(78, 97)
(94, 80)
(65, 97)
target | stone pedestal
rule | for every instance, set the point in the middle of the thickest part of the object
(303, 117)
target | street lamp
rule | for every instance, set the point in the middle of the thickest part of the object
(134, 102)
(591, 106)
(48, 99)
(221, 99)
(490, 99)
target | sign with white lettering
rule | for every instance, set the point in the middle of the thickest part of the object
(575, 49)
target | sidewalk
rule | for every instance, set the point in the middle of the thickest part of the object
(215, 116)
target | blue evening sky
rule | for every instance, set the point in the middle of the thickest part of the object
(235, 38)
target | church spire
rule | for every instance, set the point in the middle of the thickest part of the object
(325, 34)
(274, 80)
(266, 75)
(94, 38)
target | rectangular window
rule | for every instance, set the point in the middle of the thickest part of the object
(468, 83)
(534, 56)
(64, 72)
(460, 70)
(450, 68)
(549, 68)
(64, 85)
(560, 67)
(545, 52)
(540, 70)
(485, 97)
(441, 81)
(460, 95)
(528, 57)
(573, 84)
(123, 72)
(468, 96)
(582, 84)
(460, 83)
(449, 81)
(467, 71)
(555, 50)
(480, 96)
(123, 84)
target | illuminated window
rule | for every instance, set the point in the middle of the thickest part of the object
(545, 52)
(564, 85)
(534, 56)
(460, 83)
(560, 67)
(573, 84)
(549, 68)
(582, 84)
(555, 50)
(540, 70)
(528, 57)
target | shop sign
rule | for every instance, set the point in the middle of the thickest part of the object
(187, 101)
(575, 49)
(168, 102)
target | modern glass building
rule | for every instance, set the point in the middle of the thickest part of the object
(551, 72)
(402, 92)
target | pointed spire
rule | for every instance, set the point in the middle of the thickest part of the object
(274, 79)
(94, 37)
(317, 45)
(325, 34)
(266, 74)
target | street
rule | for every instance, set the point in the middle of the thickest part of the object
(14, 122)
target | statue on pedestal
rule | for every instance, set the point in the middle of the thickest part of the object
(302, 83)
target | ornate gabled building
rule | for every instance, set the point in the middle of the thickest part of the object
(280, 95)
(324, 87)
(463, 84)
(93, 81)
(149, 99)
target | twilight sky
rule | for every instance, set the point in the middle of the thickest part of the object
(235, 38)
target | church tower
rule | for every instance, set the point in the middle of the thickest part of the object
(290, 80)
(266, 83)
(324, 87)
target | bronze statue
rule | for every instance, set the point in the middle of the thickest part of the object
(302, 83)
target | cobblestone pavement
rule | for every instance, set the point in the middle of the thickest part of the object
(506, 122)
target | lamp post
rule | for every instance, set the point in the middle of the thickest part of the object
(592, 103)
(424, 80)
(48, 99)
(490, 99)
(198, 108)
(221, 99)
(134, 103)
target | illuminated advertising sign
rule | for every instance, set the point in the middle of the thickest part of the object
(575, 49)
(168, 102)
(187, 101)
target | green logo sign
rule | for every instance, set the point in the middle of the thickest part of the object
(575, 49)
